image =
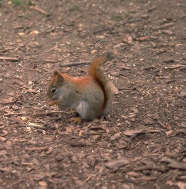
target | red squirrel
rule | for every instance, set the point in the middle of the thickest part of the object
(90, 96)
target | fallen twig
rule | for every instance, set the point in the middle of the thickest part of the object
(67, 65)
(50, 61)
(174, 66)
(158, 168)
(48, 113)
(13, 59)
(39, 10)
(37, 148)
(36, 125)
(35, 115)
(75, 64)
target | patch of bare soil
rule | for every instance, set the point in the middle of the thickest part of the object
(143, 143)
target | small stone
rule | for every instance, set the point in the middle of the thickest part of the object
(183, 93)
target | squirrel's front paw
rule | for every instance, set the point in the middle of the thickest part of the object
(76, 120)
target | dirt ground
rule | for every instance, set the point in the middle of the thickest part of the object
(143, 143)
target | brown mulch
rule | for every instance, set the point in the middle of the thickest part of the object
(143, 143)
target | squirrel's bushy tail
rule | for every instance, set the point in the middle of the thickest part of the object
(96, 63)
(97, 74)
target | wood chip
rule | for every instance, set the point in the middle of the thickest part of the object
(174, 163)
(133, 132)
(115, 164)
(183, 93)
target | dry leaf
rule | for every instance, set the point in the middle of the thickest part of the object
(133, 132)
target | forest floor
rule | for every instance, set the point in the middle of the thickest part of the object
(143, 143)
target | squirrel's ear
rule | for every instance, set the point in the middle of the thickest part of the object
(56, 73)
(59, 76)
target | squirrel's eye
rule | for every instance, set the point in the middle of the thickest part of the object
(53, 90)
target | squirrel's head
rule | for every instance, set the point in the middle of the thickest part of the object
(55, 84)
(61, 89)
